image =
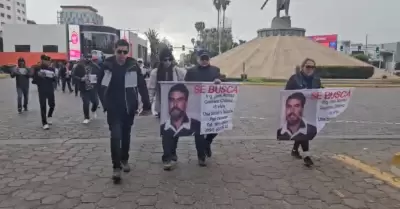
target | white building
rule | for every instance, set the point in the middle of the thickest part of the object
(12, 12)
(15, 41)
(138, 46)
(79, 15)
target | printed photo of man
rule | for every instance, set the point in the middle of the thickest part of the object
(296, 128)
(179, 124)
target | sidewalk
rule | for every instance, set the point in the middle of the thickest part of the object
(241, 174)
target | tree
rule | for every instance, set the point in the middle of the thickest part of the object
(193, 40)
(199, 28)
(224, 5)
(152, 36)
(361, 57)
(217, 5)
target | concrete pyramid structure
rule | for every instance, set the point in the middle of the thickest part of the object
(276, 57)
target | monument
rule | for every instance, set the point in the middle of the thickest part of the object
(281, 26)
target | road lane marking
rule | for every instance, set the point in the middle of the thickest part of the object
(381, 175)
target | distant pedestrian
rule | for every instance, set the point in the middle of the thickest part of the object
(66, 78)
(22, 74)
(44, 78)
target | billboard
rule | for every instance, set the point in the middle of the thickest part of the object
(326, 40)
(125, 34)
(74, 40)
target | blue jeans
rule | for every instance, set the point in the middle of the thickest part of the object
(22, 92)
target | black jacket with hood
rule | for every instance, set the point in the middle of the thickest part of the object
(134, 84)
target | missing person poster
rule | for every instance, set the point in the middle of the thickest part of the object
(305, 112)
(190, 108)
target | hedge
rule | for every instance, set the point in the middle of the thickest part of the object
(342, 72)
(331, 72)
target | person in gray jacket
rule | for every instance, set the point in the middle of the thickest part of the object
(22, 74)
(166, 71)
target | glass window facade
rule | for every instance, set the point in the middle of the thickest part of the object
(98, 41)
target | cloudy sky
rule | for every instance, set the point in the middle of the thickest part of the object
(174, 19)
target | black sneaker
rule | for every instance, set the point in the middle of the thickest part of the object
(116, 176)
(125, 167)
(296, 154)
(25, 109)
(167, 166)
(174, 158)
(19, 111)
(308, 162)
(202, 163)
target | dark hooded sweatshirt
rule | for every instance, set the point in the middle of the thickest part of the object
(22, 81)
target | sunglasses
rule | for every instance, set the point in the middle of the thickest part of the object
(122, 52)
(168, 59)
(310, 66)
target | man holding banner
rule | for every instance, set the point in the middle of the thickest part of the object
(204, 72)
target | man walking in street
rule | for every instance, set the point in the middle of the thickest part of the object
(203, 72)
(66, 77)
(21, 74)
(121, 81)
(44, 78)
(87, 81)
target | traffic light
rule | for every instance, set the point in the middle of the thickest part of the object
(359, 48)
(183, 47)
(377, 49)
(341, 48)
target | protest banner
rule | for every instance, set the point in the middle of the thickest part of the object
(305, 112)
(190, 108)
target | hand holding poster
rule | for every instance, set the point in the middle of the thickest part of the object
(190, 108)
(305, 112)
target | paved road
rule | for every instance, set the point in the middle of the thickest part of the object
(242, 174)
(71, 167)
(371, 112)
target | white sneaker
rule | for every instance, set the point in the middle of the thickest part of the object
(46, 127)
(49, 121)
(86, 121)
(94, 115)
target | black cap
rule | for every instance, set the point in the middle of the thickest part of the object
(202, 53)
(21, 59)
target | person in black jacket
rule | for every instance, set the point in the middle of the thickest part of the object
(66, 77)
(87, 81)
(305, 79)
(121, 79)
(44, 78)
(203, 72)
(22, 74)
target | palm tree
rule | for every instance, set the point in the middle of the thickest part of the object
(224, 5)
(152, 36)
(217, 5)
(199, 28)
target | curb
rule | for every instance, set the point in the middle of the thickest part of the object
(395, 164)
(155, 139)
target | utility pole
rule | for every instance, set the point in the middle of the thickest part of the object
(366, 44)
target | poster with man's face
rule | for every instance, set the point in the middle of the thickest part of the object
(298, 116)
(181, 114)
